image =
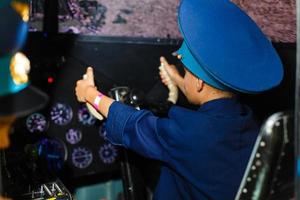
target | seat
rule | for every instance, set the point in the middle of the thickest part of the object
(270, 171)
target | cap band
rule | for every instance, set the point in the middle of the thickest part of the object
(192, 65)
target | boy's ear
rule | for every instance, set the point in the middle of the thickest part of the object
(199, 85)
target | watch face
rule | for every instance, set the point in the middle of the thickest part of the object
(61, 114)
(36, 122)
(85, 117)
(82, 157)
(108, 153)
(73, 136)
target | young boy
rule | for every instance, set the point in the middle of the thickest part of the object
(204, 151)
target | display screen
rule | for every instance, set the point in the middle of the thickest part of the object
(36, 15)
(122, 18)
(156, 19)
(276, 18)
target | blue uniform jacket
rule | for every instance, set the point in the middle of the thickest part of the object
(205, 152)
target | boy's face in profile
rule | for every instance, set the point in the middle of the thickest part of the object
(5, 124)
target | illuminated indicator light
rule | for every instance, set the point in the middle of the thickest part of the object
(53, 156)
(50, 80)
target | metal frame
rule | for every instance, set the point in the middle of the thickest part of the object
(129, 40)
(297, 110)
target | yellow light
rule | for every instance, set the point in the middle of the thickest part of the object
(5, 124)
(19, 68)
(22, 9)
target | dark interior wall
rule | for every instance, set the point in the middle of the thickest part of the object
(282, 97)
(117, 61)
(134, 63)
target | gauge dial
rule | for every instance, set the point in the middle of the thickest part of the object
(61, 114)
(102, 131)
(82, 157)
(73, 136)
(85, 117)
(54, 151)
(36, 122)
(108, 153)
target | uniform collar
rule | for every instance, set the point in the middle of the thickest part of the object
(222, 105)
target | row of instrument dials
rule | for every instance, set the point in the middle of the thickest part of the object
(55, 152)
(60, 114)
(82, 157)
(67, 145)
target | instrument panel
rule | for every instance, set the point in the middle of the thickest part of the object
(69, 137)
(63, 136)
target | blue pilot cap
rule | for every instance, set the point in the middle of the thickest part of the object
(224, 47)
(193, 66)
(13, 26)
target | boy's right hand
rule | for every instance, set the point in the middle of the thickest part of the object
(167, 74)
(171, 70)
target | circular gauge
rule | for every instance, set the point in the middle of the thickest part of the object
(102, 131)
(85, 117)
(108, 153)
(54, 151)
(61, 114)
(82, 157)
(73, 136)
(36, 122)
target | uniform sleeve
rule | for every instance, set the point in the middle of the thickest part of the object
(136, 130)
